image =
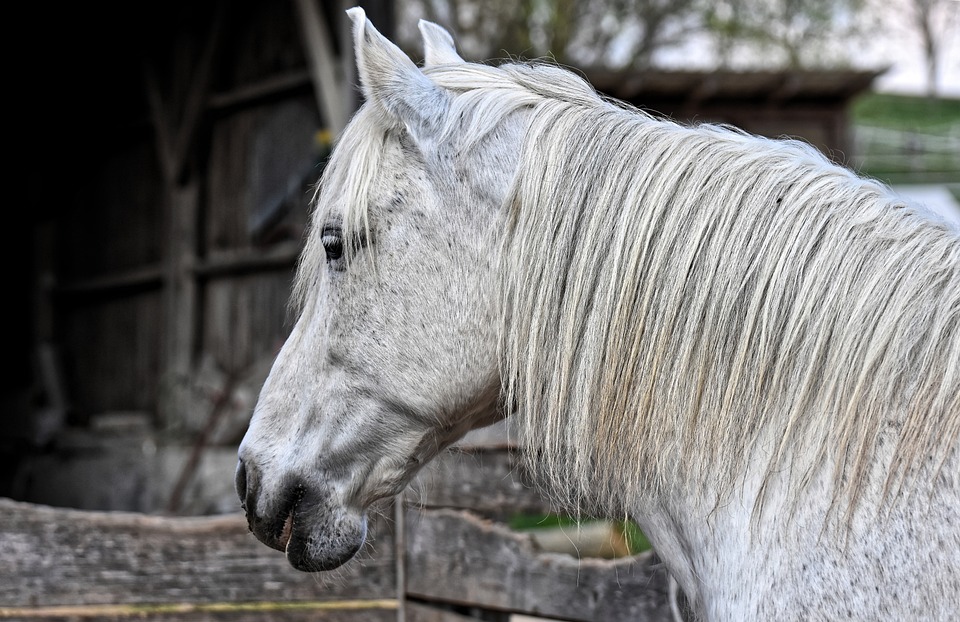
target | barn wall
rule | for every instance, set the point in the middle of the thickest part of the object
(242, 156)
(111, 354)
(264, 164)
(107, 334)
(252, 159)
(113, 226)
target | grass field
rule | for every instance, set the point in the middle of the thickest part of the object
(905, 139)
(906, 113)
(633, 536)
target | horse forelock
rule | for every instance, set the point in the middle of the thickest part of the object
(342, 197)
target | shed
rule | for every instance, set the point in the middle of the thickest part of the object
(811, 105)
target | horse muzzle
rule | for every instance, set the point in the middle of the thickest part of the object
(300, 521)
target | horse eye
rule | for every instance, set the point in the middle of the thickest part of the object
(332, 240)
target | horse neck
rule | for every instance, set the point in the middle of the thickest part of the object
(733, 560)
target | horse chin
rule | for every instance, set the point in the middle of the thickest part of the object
(318, 541)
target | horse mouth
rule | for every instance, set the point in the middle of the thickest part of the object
(283, 535)
(286, 533)
(312, 532)
(275, 529)
(322, 541)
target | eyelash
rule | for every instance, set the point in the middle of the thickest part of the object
(332, 240)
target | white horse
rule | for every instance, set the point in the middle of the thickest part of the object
(748, 350)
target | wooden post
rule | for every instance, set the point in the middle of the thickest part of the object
(180, 304)
(333, 72)
(400, 559)
(174, 140)
(325, 72)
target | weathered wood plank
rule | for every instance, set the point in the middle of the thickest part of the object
(227, 263)
(325, 611)
(456, 557)
(52, 556)
(500, 435)
(420, 612)
(325, 71)
(245, 320)
(181, 300)
(488, 481)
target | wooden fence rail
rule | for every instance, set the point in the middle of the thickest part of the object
(64, 564)
(446, 556)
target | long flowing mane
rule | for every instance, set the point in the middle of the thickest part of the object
(679, 298)
(677, 295)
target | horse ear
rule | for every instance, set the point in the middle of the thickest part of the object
(438, 46)
(389, 78)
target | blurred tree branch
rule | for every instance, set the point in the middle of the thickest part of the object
(934, 21)
(572, 32)
(638, 34)
(802, 33)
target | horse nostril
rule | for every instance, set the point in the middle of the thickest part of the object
(240, 482)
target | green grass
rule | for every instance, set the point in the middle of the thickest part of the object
(636, 540)
(521, 522)
(907, 139)
(906, 112)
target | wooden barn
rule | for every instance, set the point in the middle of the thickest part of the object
(164, 155)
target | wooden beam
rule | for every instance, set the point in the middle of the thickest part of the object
(282, 256)
(161, 124)
(455, 557)
(276, 86)
(181, 299)
(382, 610)
(138, 279)
(487, 481)
(55, 557)
(174, 141)
(174, 137)
(199, 88)
(325, 71)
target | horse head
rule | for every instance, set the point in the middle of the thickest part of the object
(393, 355)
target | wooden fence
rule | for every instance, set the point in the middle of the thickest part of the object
(438, 553)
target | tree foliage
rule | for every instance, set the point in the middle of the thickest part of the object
(575, 32)
(931, 25)
(640, 34)
(791, 33)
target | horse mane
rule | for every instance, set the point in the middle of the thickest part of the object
(677, 299)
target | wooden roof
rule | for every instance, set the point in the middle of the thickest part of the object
(766, 88)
